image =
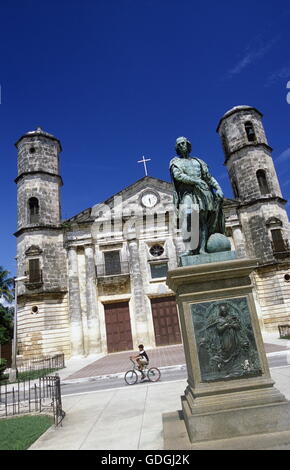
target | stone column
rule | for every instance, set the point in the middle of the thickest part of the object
(239, 241)
(77, 340)
(94, 335)
(138, 293)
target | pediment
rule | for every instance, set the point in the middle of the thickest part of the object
(33, 250)
(130, 197)
(274, 221)
(144, 195)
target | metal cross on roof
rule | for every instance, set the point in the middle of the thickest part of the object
(144, 160)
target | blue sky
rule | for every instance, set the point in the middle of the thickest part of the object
(118, 79)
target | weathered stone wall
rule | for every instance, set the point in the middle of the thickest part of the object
(273, 294)
(256, 232)
(43, 158)
(243, 167)
(233, 128)
(46, 189)
(45, 332)
(53, 260)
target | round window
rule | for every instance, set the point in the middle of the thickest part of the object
(32, 150)
(156, 250)
(287, 277)
(34, 309)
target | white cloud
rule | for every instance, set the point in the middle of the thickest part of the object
(252, 54)
(283, 156)
(281, 74)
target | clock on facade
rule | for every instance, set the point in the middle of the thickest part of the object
(149, 199)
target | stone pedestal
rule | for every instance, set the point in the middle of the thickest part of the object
(230, 393)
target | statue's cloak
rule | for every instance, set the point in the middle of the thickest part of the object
(205, 199)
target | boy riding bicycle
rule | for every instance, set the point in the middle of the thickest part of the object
(142, 360)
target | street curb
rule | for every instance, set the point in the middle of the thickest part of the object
(119, 375)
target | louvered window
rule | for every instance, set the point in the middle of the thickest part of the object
(278, 241)
(34, 271)
(112, 262)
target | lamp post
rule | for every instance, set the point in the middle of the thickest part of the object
(13, 370)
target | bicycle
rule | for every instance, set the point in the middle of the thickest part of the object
(131, 377)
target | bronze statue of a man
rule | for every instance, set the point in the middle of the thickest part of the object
(196, 192)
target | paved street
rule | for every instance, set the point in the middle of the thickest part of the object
(118, 417)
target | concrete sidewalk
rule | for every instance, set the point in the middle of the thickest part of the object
(128, 418)
(125, 418)
(117, 419)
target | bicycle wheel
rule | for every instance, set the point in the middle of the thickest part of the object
(131, 377)
(153, 374)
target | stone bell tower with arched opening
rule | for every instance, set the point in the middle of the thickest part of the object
(42, 309)
(261, 206)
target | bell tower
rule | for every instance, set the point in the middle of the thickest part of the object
(248, 158)
(38, 180)
(40, 252)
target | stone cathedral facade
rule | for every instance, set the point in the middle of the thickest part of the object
(96, 283)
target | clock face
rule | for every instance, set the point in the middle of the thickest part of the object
(149, 200)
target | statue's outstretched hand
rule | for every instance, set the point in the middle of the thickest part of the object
(219, 194)
(202, 185)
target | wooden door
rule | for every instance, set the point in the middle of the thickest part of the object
(166, 321)
(118, 327)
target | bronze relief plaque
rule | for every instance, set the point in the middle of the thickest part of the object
(225, 340)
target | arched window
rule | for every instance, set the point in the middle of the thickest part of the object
(33, 208)
(262, 180)
(235, 188)
(225, 144)
(250, 131)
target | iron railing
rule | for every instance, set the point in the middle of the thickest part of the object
(43, 396)
(103, 270)
(46, 363)
(281, 248)
(284, 331)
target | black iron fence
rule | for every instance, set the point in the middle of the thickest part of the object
(284, 331)
(47, 363)
(42, 396)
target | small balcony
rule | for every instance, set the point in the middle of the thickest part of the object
(281, 249)
(111, 273)
(35, 280)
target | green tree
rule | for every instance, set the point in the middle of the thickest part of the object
(6, 324)
(6, 285)
(6, 312)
